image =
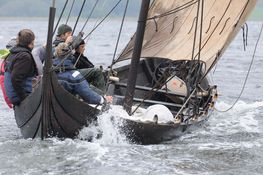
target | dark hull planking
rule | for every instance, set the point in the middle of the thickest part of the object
(150, 132)
(68, 114)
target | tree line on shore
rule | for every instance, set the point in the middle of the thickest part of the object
(40, 8)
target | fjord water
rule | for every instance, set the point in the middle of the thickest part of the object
(229, 143)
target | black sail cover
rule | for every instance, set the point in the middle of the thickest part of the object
(171, 28)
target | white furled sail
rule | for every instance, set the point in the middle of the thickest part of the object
(173, 26)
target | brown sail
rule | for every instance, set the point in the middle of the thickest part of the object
(171, 29)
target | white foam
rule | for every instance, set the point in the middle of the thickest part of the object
(240, 106)
(109, 123)
(241, 118)
(89, 132)
(228, 145)
(249, 123)
(97, 149)
(107, 127)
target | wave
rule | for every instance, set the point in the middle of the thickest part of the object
(107, 130)
(242, 119)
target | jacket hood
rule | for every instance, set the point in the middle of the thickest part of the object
(18, 48)
(57, 41)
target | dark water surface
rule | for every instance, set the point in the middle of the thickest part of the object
(230, 143)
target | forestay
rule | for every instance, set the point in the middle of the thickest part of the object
(171, 30)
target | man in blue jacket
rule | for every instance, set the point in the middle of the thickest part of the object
(20, 68)
(71, 79)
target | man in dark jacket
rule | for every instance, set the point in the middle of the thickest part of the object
(71, 79)
(81, 61)
(20, 68)
(93, 75)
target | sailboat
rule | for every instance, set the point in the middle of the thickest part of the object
(167, 89)
(164, 89)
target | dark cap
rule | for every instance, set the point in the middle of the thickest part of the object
(64, 28)
(81, 43)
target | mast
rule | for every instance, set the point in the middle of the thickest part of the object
(132, 76)
(46, 88)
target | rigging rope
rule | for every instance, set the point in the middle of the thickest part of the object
(83, 4)
(185, 103)
(158, 86)
(120, 32)
(61, 14)
(107, 15)
(219, 52)
(155, 89)
(196, 28)
(171, 12)
(201, 30)
(60, 66)
(93, 8)
(175, 10)
(73, 2)
(117, 43)
(103, 5)
(199, 65)
(249, 70)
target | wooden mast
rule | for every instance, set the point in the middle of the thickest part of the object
(46, 88)
(132, 76)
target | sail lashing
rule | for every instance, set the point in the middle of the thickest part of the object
(169, 34)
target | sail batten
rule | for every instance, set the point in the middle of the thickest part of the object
(170, 29)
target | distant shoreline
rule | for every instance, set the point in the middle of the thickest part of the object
(257, 16)
(63, 19)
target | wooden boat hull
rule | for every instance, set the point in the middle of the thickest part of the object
(68, 114)
(152, 132)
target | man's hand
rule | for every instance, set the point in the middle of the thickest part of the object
(109, 99)
(69, 40)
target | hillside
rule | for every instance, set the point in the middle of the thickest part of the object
(39, 8)
(257, 14)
